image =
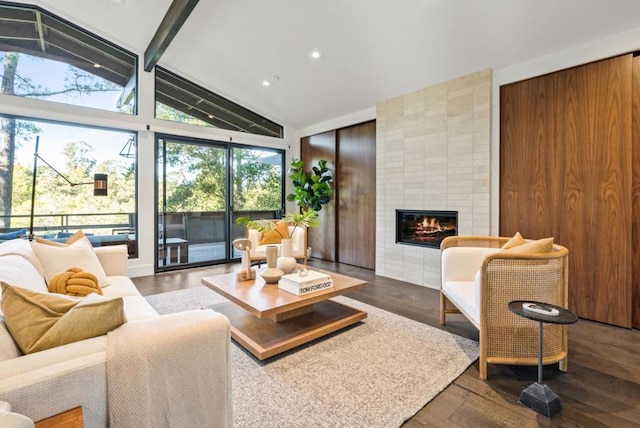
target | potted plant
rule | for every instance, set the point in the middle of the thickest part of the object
(307, 218)
(310, 192)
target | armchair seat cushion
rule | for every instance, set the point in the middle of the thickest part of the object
(466, 294)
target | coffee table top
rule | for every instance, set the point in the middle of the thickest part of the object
(264, 300)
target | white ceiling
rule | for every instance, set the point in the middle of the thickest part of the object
(373, 49)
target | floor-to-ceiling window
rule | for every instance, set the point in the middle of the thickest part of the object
(55, 72)
(63, 198)
(203, 186)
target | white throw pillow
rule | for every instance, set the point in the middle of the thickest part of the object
(56, 259)
(23, 248)
(18, 271)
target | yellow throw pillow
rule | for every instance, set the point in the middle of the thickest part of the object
(39, 321)
(70, 240)
(515, 241)
(273, 237)
(74, 282)
(534, 247)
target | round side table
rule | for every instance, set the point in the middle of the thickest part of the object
(539, 396)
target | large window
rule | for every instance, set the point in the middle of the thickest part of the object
(75, 154)
(180, 100)
(203, 187)
(45, 57)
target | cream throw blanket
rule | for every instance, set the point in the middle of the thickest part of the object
(167, 372)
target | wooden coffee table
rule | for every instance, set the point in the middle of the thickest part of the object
(268, 321)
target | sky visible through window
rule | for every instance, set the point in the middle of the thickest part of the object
(53, 137)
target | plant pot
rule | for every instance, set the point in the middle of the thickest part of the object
(286, 262)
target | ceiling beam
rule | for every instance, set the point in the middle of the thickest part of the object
(177, 14)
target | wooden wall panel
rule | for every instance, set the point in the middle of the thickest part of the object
(565, 153)
(635, 139)
(356, 184)
(322, 240)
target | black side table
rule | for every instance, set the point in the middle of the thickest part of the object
(539, 396)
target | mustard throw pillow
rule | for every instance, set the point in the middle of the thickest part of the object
(515, 241)
(39, 321)
(273, 237)
(74, 282)
(534, 247)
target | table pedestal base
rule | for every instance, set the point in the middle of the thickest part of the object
(540, 398)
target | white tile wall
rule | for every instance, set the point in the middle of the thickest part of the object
(433, 149)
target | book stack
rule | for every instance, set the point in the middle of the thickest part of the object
(297, 284)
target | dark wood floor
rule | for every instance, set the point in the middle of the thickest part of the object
(601, 388)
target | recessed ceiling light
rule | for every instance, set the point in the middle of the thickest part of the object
(266, 83)
(210, 116)
(96, 65)
(316, 54)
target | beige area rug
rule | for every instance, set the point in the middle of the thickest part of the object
(377, 373)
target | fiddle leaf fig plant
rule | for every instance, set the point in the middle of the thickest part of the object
(310, 191)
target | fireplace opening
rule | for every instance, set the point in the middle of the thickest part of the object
(424, 227)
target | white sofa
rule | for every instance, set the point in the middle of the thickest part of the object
(46, 383)
(298, 244)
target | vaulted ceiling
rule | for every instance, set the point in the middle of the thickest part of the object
(372, 49)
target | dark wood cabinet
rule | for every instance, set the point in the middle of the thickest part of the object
(348, 225)
(566, 171)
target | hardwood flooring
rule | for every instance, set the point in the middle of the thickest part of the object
(601, 388)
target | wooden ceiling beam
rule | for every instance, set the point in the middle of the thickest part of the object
(173, 20)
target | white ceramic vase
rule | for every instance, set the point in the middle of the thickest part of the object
(286, 262)
(271, 274)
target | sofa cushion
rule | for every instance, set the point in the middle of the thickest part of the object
(57, 258)
(13, 235)
(462, 263)
(16, 269)
(466, 296)
(120, 286)
(515, 241)
(8, 347)
(23, 248)
(137, 308)
(39, 321)
(275, 236)
(540, 246)
(74, 282)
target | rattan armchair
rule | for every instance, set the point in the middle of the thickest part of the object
(479, 281)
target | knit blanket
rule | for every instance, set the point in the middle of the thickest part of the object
(167, 372)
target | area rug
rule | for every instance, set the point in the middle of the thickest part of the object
(377, 373)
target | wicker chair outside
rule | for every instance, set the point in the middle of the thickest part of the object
(506, 338)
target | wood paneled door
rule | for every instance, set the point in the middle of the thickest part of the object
(347, 233)
(566, 171)
(356, 175)
(322, 239)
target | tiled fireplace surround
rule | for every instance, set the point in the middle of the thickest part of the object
(432, 153)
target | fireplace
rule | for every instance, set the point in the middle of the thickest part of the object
(425, 228)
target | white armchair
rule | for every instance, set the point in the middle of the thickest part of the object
(479, 280)
(298, 244)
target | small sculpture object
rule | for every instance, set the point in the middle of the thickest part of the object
(245, 273)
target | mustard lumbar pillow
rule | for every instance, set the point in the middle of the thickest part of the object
(39, 321)
(74, 282)
(515, 241)
(540, 246)
(275, 236)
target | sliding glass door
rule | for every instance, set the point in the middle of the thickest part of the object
(202, 187)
